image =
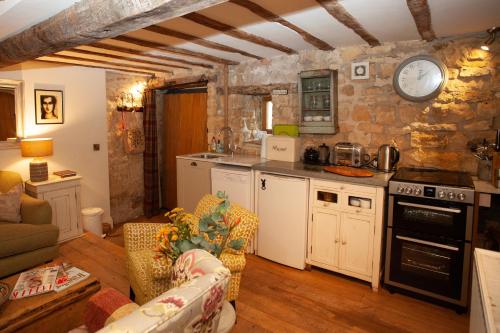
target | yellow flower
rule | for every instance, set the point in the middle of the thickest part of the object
(175, 229)
(177, 209)
(174, 237)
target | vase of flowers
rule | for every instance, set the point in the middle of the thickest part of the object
(213, 233)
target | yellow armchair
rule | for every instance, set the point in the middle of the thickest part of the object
(149, 273)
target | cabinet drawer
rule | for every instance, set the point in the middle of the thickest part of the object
(359, 203)
(326, 198)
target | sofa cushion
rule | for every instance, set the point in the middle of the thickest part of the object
(10, 204)
(19, 238)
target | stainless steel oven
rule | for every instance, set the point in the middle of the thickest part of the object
(429, 230)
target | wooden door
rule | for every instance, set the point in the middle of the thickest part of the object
(184, 132)
(325, 237)
(356, 249)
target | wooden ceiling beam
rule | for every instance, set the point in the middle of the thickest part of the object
(114, 56)
(236, 33)
(172, 49)
(110, 47)
(89, 21)
(196, 40)
(421, 13)
(91, 66)
(335, 9)
(103, 62)
(271, 17)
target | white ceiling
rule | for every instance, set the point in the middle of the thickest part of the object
(386, 20)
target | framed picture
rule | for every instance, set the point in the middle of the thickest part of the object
(49, 106)
(360, 70)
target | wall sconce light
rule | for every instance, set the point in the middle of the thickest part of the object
(131, 101)
(491, 38)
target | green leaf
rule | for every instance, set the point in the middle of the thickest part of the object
(197, 239)
(224, 231)
(236, 244)
(186, 245)
(203, 225)
(221, 194)
(216, 216)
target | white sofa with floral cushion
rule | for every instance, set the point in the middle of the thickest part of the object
(194, 304)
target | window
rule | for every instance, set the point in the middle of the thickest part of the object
(267, 114)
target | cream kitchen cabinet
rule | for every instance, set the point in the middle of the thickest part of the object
(345, 229)
(193, 182)
(63, 195)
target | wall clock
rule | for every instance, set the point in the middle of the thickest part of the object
(420, 78)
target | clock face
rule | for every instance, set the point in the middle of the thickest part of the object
(419, 78)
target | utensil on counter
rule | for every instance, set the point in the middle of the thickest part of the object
(324, 154)
(311, 156)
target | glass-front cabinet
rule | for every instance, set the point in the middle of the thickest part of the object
(318, 102)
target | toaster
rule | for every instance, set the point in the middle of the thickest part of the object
(350, 154)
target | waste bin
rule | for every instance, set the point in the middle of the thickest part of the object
(92, 220)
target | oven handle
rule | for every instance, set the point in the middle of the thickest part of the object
(447, 247)
(443, 209)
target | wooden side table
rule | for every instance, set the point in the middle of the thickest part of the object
(63, 195)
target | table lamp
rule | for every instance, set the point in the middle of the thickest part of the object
(496, 125)
(37, 148)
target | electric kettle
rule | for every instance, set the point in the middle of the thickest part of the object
(324, 154)
(387, 158)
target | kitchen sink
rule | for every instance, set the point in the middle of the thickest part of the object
(207, 156)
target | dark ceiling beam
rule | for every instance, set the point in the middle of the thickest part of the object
(236, 33)
(108, 63)
(114, 56)
(196, 40)
(421, 13)
(172, 49)
(89, 21)
(335, 9)
(121, 49)
(271, 17)
(91, 66)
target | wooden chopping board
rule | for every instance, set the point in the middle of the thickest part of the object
(348, 171)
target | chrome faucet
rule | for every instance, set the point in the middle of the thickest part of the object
(229, 146)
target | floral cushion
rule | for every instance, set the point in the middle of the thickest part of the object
(193, 306)
(10, 204)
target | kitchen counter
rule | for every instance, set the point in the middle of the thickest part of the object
(484, 186)
(236, 159)
(316, 171)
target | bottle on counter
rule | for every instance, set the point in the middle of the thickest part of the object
(213, 145)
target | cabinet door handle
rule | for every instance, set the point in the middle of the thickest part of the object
(325, 204)
(344, 242)
(358, 210)
(336, 241)
(194, 164)
(342, 187)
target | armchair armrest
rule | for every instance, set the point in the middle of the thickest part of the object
(140, 236)
(234, 262)
(35, 211)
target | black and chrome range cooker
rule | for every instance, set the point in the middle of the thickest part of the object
(429, 232)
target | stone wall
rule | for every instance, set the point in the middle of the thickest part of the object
(126, 177)
(431, 133)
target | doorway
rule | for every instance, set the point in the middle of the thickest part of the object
(184, 132)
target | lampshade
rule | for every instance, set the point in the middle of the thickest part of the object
(36, 147)
(496, 123)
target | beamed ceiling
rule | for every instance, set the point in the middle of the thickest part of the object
(177, 34)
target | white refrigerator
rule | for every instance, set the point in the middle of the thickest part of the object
(282, 210)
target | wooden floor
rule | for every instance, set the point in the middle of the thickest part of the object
(276, 298)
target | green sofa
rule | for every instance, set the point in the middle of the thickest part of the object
(31, 242)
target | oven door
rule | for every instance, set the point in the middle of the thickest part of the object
(428, 266)
(434, 217)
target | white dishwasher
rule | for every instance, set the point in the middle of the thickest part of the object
(282, 210)
(236, 182)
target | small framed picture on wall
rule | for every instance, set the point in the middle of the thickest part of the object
(360, 70)
(49, 106)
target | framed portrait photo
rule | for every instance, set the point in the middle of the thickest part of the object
(360, 70)
(49, 106)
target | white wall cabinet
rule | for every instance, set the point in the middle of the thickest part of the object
(345, 229)
(63, 195)
(193, 182)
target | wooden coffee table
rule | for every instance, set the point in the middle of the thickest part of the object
(49, 312)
